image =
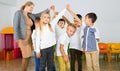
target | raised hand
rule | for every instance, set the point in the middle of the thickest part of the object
(68, 7)
(52, 7)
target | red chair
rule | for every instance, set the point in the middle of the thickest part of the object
(103, 47)
(8, 44)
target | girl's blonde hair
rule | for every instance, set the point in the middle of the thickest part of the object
(41, 22)
(28, 3)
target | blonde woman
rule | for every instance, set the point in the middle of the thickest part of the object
(23, 24)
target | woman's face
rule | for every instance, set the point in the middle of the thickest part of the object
(29, 9)
(46, 18)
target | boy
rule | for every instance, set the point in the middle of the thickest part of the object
(62, 47)
(75, 41)
(37, 59)
(60, 28)
(90, 45)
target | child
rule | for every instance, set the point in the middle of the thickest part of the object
(60, 28)
(37, 59)
(62, 47)
(47, 37)
(90, 45)
(75, 42)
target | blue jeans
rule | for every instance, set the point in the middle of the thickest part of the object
(37, 62)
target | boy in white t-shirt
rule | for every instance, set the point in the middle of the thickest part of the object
(60, 28)
(75, 42)
(37, 59)
(62, 47)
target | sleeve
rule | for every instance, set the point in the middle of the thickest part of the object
(37, 45)
(39, 14)
(33, 38)
(62, 39)
(16, 25)
(97, 34)
(55, 20)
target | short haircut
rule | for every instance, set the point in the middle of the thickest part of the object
(72, 25)
(92, 16)
(79, 16)
(37, 19)
(61, 20)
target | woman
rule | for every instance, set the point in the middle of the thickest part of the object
(23, 23)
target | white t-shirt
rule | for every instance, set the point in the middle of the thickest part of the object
(59, 31)
(34, 39)
(64, 40)
(47, 37)
(76, 39)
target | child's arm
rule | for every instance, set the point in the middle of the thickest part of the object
(97, 35)
(63, 53)
(47, 10)
(33, 38)
(55, 20)
(68, 22)
(72, 13)
(37, 45)
(54, 15)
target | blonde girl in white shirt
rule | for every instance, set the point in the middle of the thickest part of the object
(47, 37)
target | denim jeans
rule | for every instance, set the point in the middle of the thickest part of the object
(37, 62)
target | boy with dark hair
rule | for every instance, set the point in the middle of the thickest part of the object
(90, 43)
(75, 41)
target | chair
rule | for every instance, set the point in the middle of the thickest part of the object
(114, 49)
(103, 47)
(9, 46)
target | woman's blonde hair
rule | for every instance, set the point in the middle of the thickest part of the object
(41, 22)
(28, 3)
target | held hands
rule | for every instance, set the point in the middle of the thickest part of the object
(68, 7)
(52, 7)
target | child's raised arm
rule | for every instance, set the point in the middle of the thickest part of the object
(72, 13)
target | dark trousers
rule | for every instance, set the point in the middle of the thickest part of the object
(75, 55)
(47, 59)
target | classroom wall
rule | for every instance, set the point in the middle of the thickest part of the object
(5, 18)
(107, 11)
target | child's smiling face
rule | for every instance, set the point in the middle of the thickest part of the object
(61, 24)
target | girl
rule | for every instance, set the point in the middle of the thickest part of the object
(47, 33)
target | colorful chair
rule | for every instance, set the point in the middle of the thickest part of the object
(114, 49)
(103, 47)
(8, 43)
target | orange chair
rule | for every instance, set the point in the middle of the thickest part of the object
(114, 49)
(103, 47)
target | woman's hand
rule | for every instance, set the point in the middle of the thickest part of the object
(52, 7)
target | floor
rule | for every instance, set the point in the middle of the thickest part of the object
(15, 65)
